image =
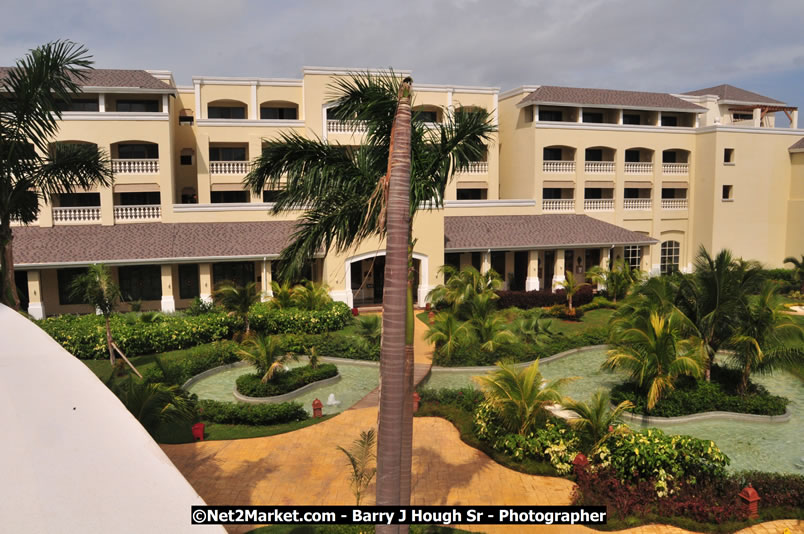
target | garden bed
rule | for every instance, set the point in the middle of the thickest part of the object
(251, 385)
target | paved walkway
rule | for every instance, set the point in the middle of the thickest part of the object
(304, 467)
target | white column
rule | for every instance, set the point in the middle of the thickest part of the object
(604, 265)
(102, 103)
(199, 111)
(252, 108)
(794, 119)
(205, 282)
(532, 280)
(168, 303)
(36, 307)
(558, 269)
(580, 115)
(345, 294)
(165, 104)
(619, 116)
(267, 293)
(757, 116)
(658, 118)
(496, 105)
(509, 270)
(485, 262)
(535, 113)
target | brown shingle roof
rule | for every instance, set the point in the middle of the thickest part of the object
(729, 92)
(137, 243)
(550, 94)
(506, 232)
(798, 146)
(135, 79)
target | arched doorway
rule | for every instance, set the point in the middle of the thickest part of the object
(365, 278)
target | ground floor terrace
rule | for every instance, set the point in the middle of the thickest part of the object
(166, 266)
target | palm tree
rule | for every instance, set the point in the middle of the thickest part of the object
(448, 334)
(492, 331)
(533, 328)
(31, 166)
(766, 338)
(618, 280)
(520, 396)
(154, 404)
(370, 327)
(311, 296)
(266, 353)
(571, 286)
(462, 289)
(798, 268)
(238, 299)
(282, 295)
(652, 347)
(596, 420)
(360, 456)
(97, 288)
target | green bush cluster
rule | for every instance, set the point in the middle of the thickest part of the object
(232, 413)
(784, 278)
(251, 385)
(270, 320)
(177, 371)
(465, 398)
(599, 303)
(335, 344)
(562, 311)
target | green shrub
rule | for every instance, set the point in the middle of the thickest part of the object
(334, 344)
(199, 307)
(195, 361)
(784, 278)
(465, 398)
(252, 386)
(599, 303)
(268, 320)
(562, 311)
(232, 413)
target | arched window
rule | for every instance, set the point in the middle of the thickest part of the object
(278, 110)
(670, 256)
(226, 109)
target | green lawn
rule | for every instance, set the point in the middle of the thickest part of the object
(103, 369)
(592, 319)
(216, 432)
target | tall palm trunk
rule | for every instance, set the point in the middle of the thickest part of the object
(109, 340)
(392, 359)
(406, 466)
(8, 286)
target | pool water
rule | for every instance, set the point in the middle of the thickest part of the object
(775, 447)
(356, 382)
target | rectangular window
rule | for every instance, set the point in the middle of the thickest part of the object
(140, 282)
(728, 156)
(669, 156)
(79, 200)
(674, 192)
(188, 281)
(66, 277)
(594, 154)
(270, 195)
(472, 194)
(78, 104)
(185, 159)
(632, 156)
(240, 272)
(551, 193)
(633, 256)
(670, 257)
(669, 120)
(227, 153)
(632, 118)
(592, 117)
(186, 120)
(552, 154)
(226, 112)
(592, 193)
(426, 116)
(226, 197)
(150, 198)
(138, 151)
(278, 114)
(728, 192)
(138, 106)
(742, 117)
(551, 115)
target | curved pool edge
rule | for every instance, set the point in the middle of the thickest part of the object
(546, 359)
(210, 372)
(704, 416)
(285, 396)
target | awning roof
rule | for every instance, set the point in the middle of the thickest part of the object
(509, 232)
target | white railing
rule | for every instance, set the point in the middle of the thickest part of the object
(148, 212)
(229, 167)
(476, 167)
(638, 167)
(599, 167)
(637, 204)
(334, 126)
(135, 166)
(674, 203)
(598, 204)
(675, 168)
(567, 204)
(77, 215)
(558, 166)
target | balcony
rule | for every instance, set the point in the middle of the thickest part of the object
(336, 126)
(599, 167)
(149, 212)
(598, 204)
(135, 166)
(558, 205)
(77, 215)
(558, 167)
(229, 167)
(674, 203)
(675, 168)
(637, 204)
(638, 167)
(476, 167)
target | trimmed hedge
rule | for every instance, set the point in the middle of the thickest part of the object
(263, 318)
(541, 299)
(233, 413)
(335, 344)
(695, 396)
(177, 371)
(252, 386)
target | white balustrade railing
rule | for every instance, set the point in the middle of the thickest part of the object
(558, 166)
(78, 215)
(229, 167)
(567, 204)
(638, 167)
(598, 204)
(637, 204)
(135, 166)
(674, 203)
(335, 126)
(599, 167)
(675, 168)
(476, 167)
(148, 212)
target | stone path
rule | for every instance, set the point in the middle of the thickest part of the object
(304, 467)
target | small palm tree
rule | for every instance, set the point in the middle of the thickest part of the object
(462, 288)
(571, 286)
(266, 353)
(533, 328)
(361, 455)
(238, 299)
(311, 296)
(492, 331)
(596, 420)
(798, 268)
(370, 327)
(766, 338)
(448, 334)
(282, 295)
(97, 288)
(650, 345)
(154, 404)
(520, 395)
(618, 280)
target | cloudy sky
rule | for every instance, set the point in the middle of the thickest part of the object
(659, 45)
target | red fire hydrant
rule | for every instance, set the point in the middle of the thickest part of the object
(750, 498)
(431, 317)
(416, 399)
(318, 408)
(198, 431)
(355, 312)
(427, 306)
